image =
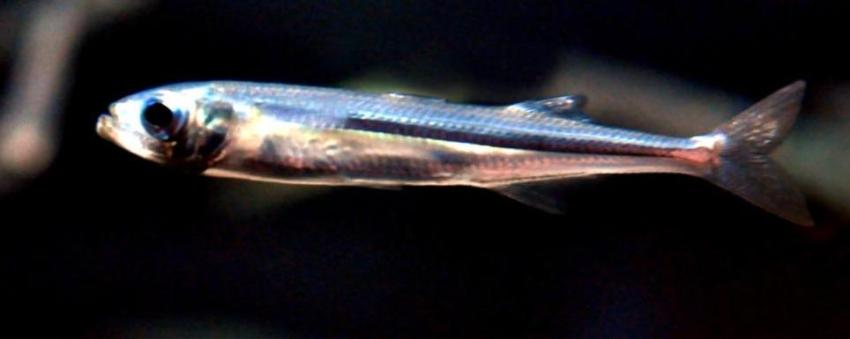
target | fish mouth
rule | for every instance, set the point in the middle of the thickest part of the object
(106, 127)
(109, 128)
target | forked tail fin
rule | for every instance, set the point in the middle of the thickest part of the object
(745, 168)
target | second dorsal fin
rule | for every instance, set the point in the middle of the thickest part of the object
(569, 107)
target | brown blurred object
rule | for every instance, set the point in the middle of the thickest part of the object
(642, 98)
(636, 97)
(814, 154)
(818, 152)
(35, 93)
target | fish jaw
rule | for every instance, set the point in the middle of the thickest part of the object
(124, 136)
(104, 127)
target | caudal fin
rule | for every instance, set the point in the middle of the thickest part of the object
(745, 167)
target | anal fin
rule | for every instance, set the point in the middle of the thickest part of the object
(546, 195)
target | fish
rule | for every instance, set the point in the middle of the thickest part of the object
(308, 135)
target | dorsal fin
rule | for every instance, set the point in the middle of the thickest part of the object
(569, 107)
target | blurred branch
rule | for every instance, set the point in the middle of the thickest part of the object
(642, 98)
(814, 154)
(28, 128)
(645, 99)
(818, 151)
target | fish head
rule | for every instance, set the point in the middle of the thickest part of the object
(175, 125)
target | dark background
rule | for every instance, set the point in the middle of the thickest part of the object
(106, 245)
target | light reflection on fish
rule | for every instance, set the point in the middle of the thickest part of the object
(310, 135)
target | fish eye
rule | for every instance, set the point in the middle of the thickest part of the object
(158, 115)
(161, 121)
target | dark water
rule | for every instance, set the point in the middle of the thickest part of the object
(105, 244)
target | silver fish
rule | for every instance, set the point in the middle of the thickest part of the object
(321, 136)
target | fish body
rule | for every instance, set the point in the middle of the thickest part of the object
(323, 136)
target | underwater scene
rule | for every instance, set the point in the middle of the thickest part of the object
(424, 169)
